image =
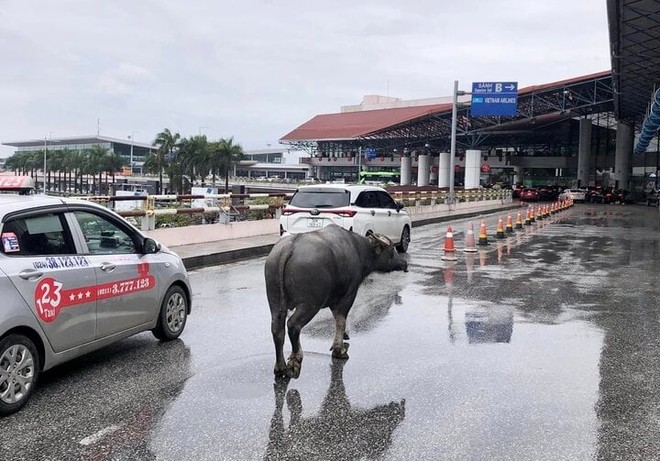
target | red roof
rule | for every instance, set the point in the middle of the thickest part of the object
(349, 125)
(352, 125)
(581, 78)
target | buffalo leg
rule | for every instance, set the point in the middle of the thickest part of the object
(301, 317)
(277, 325)
(338, 348)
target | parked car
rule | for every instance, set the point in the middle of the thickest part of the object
(358, 208)
(578, 195)
(516, 189)
(75, 277)
(653, 198)
(549, 193)
(529, 194)
(596, 195)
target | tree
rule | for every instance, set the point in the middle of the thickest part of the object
(225, 155)
(95, 163)
(112, 163)
(151, 164)
(166, 142)
(193, 157)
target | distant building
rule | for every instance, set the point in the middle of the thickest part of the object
(268, 163)
(129, 150)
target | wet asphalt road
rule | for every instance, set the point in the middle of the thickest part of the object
(543, 345)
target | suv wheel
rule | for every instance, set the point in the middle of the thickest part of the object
(173, 314)
(19, 372)
(402, 246)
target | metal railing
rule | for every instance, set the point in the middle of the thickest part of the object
(148, 207)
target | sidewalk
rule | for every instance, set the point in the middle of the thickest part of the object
(228, 250)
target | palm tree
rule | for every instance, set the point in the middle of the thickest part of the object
(192, 157)
(112, 163)
(151, 164)
(95, 159)
(55, 165)
(225, 156)
(69, 163)
(166, 142)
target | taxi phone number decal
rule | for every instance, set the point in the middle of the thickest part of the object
(50, 297)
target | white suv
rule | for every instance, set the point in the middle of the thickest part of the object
(357, 208)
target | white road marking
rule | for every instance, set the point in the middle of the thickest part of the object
(92, 439)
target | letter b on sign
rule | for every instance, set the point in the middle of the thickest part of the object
(498, 87)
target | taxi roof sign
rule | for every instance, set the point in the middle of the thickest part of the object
(16, 183)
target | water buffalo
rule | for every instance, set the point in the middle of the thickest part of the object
(307, 272)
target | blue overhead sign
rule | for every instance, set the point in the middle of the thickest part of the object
(494, 98)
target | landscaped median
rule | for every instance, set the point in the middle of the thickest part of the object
(420, 214)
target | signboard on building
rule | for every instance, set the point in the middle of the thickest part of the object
(494, 99)
(370, 153)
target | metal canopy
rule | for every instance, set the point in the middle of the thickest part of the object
(634, 27)
(543, 114)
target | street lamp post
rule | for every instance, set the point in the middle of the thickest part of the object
(452, 155)
(132, 138)
(45, 149)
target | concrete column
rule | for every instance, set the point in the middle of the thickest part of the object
(625, 138)
(443, 170)
(433, 170)
(406, 170)
(584, 152)
(518, 174)
(472, 168)
(423, 170)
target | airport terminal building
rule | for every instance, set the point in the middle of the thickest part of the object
(563, 133)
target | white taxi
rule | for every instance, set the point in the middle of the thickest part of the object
(75, 277)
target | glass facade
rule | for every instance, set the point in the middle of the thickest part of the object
(139, 154)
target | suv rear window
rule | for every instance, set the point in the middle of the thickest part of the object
(320, 199)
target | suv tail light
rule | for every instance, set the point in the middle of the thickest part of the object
(341, 212)
(345, 213)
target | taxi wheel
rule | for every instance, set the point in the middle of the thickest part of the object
(173, 314)
(19, 372)
(402, 247)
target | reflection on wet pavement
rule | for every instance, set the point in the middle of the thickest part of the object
(338, 431)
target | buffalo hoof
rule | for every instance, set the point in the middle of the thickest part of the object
(346, 338)
(281, 370)
(340, 353)
(293, 369)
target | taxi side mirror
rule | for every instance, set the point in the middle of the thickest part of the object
(150, 246)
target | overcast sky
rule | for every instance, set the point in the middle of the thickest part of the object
(255, 70)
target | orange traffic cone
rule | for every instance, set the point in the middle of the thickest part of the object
(449, 249)
(528, 217)
(470, 246)
(500, 229)
(483, 233)
(519, 223)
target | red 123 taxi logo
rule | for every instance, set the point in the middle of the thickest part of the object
(50, 297)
